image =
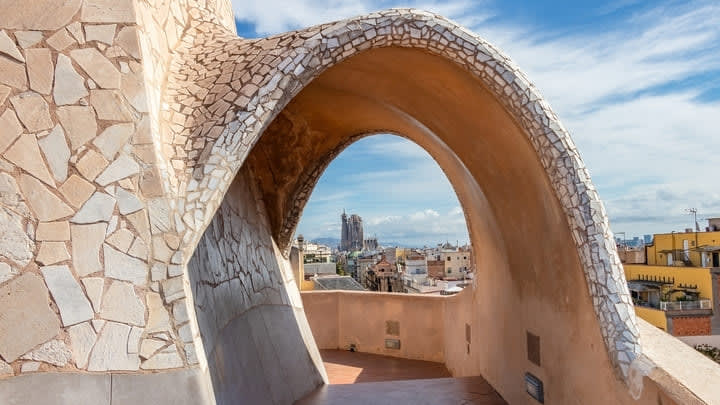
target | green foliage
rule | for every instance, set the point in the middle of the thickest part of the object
(710, 351)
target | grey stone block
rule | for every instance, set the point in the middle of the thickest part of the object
(56, 389)
(183, 387)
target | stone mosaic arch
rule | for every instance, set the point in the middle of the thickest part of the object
(143, 243)
(226, 96)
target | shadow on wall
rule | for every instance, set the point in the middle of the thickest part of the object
(254, 331)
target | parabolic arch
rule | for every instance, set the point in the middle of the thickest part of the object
(532, 210)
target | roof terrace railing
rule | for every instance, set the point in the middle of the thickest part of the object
(685, 305)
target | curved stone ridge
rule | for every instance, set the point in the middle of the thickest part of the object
(224, 97)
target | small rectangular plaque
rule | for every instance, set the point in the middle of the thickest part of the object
(392, 344)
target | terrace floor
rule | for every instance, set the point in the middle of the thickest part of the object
(361, 378)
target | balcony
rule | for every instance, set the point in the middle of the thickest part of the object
(685, 305)
(406, 346)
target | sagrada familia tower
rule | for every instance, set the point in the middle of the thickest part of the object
(351, 236)
(154, 165)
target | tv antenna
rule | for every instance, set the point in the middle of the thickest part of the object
(693, 211)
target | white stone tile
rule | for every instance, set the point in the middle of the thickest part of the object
(98, 208)
(113, 138)
(164, 359)
(69, 297)
(69, 85)
(57, 153)
(87, 240)
(54, 352)
(16, 243)
(82, 339)
(124, 166)
(121, 266)
(127, 202)
(26, 39)
(121, 304)
(94, 289)
(7, 272)
(110, 351)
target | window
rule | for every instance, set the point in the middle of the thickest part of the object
(449, 258)
(464, 257)
(449, 270)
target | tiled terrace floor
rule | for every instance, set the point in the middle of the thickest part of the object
(361, 378)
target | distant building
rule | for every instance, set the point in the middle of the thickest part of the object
(384, 277)
(371, 244)
(364, 264)
(677, 289)
(320, 268)
(351, 237)
(436, 268)
(632, 255)
(396, 254)
(335, 282)
(457, 261)
(415, 269)
(309, 259)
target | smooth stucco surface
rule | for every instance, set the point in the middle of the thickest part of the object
(531, 279)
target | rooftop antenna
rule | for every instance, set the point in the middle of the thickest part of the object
(693, 211)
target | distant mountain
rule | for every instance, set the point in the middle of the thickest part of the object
(331, 242)
(335, 242)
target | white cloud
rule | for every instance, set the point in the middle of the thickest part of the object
(427, 226)
(624, 94)
(637, 142)
(390, 200)
(274, 16)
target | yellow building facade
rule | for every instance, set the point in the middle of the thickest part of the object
(677, 290)
(678, 279)
(696, 249)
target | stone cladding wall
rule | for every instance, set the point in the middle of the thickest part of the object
(88, 271)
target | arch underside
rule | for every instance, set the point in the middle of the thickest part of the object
(540, 234)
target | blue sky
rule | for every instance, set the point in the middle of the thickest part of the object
(637, 84)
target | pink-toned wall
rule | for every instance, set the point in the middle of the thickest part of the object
(434, 328)
(341, 319)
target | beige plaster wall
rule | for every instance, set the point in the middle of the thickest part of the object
(331, 312)
(339, 320)
(531, 278)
